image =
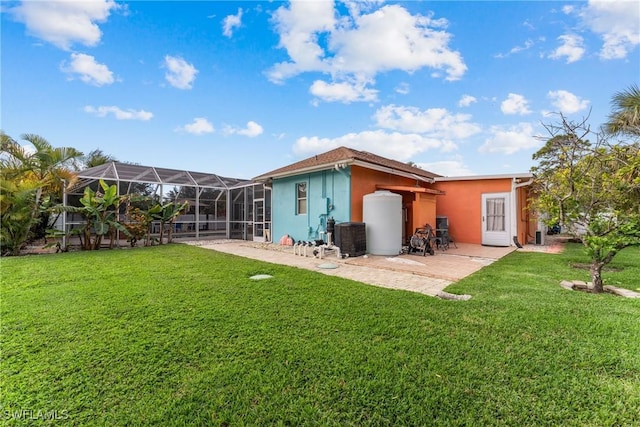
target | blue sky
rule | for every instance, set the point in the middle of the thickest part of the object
(241, 88)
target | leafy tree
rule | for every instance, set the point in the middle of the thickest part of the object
(591, 188)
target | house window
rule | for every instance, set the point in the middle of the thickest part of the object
(301, 198)
(496, 215)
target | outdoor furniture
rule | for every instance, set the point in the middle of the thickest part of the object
(423, 240)
(445, 239)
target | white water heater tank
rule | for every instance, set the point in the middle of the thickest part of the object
(382, 215)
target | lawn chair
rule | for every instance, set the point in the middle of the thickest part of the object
(445, 239)
(423, 241)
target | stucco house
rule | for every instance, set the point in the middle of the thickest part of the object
(490, 210)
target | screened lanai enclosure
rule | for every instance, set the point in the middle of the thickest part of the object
(219, 207)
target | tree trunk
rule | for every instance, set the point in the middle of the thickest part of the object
(147, 236)
(596, 276)
(97, 242)
(161, 231)
(87, 236)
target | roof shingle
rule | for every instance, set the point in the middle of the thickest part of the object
(344, 155)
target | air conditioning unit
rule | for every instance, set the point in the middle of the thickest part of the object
(540, 233)
(351, 238)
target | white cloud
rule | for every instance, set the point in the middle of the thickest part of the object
(617, 22)
(402, 88)
(515, 104)
(572, 48)
(199, 126)
(395, 145)
(231, 22)
(447, 168)
(359, 46)
(118, 113)
(435, 122)
(566, 102)
(392, 39)
(252, 130)
(88, 70)
(344, 92)
(510, 139)
(63, 23)
(180, 74)
(528, 44)
(299, 26)
(466, 100)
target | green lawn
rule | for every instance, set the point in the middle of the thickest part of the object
(179, 335)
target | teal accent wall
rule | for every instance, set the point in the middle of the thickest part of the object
(328, 195)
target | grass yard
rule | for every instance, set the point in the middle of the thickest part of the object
(179, 335)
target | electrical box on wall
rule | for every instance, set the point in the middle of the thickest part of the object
(326, 205)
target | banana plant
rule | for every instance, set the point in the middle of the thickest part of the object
(167, 214)
(100, 212)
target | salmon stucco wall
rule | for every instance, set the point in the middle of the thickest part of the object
(419, 208)
(424, 211)
(462, 204)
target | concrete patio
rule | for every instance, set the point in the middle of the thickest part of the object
(428, 274)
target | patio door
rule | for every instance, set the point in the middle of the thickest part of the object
(258, 220)
(262, 217)
(495, 219)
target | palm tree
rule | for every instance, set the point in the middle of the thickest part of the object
(97, 157)
(44, 170)
(625, 118)
(52, 167)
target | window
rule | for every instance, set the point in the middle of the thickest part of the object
(496, 215)
(301, 198)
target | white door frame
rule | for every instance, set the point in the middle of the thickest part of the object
(497, 237)
(259, 220)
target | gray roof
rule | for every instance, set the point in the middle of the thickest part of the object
(116, 171)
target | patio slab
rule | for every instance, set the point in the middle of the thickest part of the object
(428, 275)
(451, 265)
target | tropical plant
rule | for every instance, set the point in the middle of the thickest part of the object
(625, 119)
(138, 220)
(97, 157)
(45, 170)
(167, 214)
(17, 199)
(100, 211)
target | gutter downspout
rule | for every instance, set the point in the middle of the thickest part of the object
(340, 167)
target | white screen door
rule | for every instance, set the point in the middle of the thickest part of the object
(258, 221)
(495, 219)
